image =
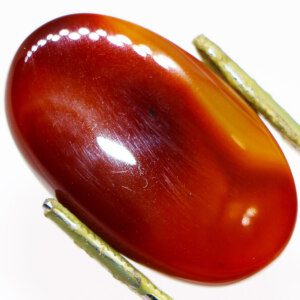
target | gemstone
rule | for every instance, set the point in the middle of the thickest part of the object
(150, 148)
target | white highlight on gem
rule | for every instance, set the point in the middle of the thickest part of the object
(142, 50)
(64, 32)
(94, 36)
(124, 39)
(114, 40)
(250, 213)
(49, 37)
(116, 150)
(42, 42)
(55, 38)
(74, 36)
(164, 61)
(29, 54)
(34, 48)
(84, 31)
(101, 32)
(118, 40)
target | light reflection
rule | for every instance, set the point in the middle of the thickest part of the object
(124, 39)
(116, 150)
(74, 36)
(248, 215)
(238, 142)
(49, 37)
(34, 48)
(165, 61)
(84, 31)
(94, 36)
(114, 40)
(42, 42)
(55, 38)
(64, 32)
(142, 50)
(29, 54)
(119, 40)
(101, 32)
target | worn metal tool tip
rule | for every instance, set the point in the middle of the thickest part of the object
(47, 205)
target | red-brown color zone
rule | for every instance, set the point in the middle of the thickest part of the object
(158, 156)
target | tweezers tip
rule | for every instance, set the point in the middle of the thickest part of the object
(47, 205)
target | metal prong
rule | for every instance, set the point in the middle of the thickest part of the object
(47, 205)
(248, 88)
(114, 262)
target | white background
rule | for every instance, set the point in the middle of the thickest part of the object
(37, 261)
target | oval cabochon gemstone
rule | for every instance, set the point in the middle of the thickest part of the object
(150, 148)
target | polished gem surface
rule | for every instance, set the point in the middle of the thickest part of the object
(150, 148)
